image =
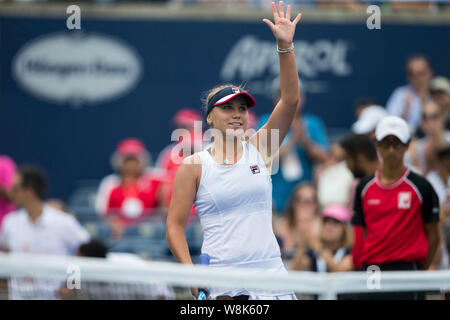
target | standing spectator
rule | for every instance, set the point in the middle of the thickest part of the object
(301, 219)
(37, 228)
(7, 172)
(304, 146)
(130, 195)
(362, 160)
(330, 252)
(398, 209)
(422, 152)
(407, 101)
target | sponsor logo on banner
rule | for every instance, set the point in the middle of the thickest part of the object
(256, 61)
(77, 68)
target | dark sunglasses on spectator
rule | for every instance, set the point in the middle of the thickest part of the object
(301, 200)
(331, 220)
(387, 143)
(417, 73)
(431, 116)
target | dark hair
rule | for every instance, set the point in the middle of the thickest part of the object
(34, 178)
(360, 144)
(94, 249)
(290, 208)
(364, 102)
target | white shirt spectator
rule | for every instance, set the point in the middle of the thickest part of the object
(398, 101)
(334, 185)
(442, 189)
(55, 232)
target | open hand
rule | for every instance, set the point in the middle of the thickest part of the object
(283, 28)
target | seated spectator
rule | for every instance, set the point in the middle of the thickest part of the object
(188, 143)
(440, 93)
(7, 172)
(334, 179)
(440, 180)
(304, 147)
(300, 220)
(37, 228)
(330, 252)
(407, 101)
(130, 195)
(368, 120)
(422, 152)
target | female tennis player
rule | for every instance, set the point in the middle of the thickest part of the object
(229, 182)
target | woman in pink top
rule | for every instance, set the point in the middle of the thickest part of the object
(7, 172)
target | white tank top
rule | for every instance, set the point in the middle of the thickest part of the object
(234, 204)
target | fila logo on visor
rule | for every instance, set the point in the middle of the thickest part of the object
(255, 169)
(235, 90)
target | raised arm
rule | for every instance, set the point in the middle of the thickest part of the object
(281, 118)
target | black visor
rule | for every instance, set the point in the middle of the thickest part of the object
(226, 95)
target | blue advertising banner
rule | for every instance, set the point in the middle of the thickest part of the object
(68, 97)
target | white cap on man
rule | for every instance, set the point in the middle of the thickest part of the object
(393, 125)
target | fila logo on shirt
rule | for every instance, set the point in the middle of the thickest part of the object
(255, 169)
(404, 200)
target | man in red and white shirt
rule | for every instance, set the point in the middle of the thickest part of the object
(398, 209)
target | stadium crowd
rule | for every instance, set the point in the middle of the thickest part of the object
(315, 191)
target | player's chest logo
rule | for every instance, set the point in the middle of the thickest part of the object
(404, 200)
(254, 168)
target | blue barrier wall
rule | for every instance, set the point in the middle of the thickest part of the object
(67, 97)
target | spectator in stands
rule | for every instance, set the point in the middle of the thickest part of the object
(362, 160)
(407, 101)
(305, 145)
(360, 155)
(422, 152)
(190, 141)
(132, 194)
(302, 218)
(440, 180)
(330, 251)
(440, 93)
(368, 118)
(58, 204)
(398, 209)
(333, 178)
(7, 172)
(36, 227)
